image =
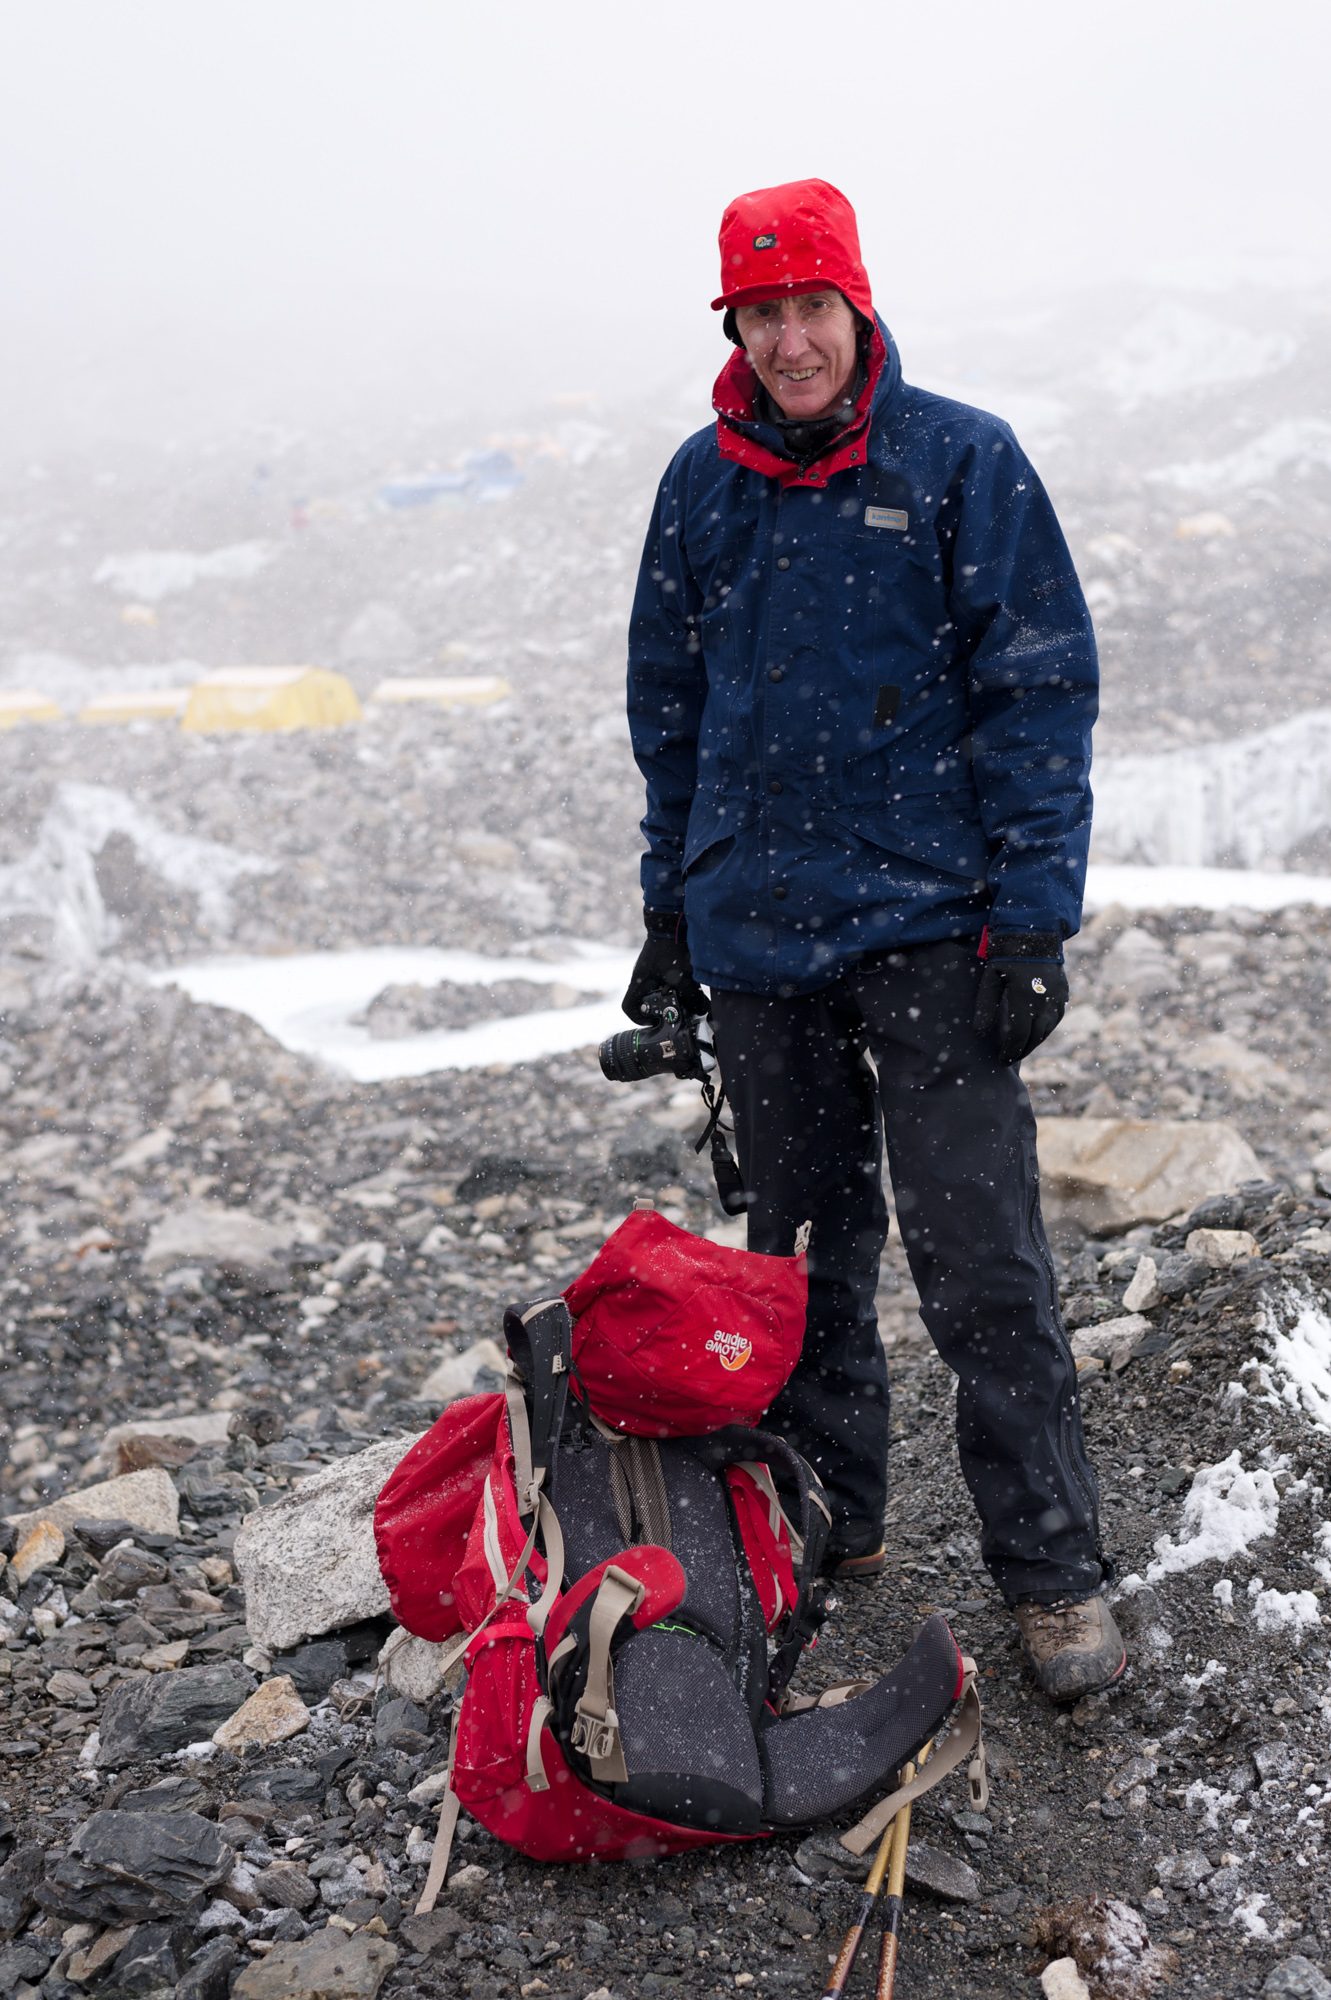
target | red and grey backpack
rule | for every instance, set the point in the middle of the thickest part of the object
(629, 1570)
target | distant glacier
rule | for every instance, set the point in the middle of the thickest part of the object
(1246, 803)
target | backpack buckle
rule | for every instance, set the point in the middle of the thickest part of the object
(596, 1736)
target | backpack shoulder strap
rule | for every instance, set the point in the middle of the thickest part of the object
(540, 1345)
(965, 1733)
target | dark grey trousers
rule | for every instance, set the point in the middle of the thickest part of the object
(810, 1118)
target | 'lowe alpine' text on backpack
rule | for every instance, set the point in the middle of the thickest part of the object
(630, 1607)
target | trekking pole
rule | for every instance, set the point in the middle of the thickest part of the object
(886, 1867)
(899, 1835)
(845, 1960)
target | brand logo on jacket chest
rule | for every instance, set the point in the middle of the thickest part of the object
(887, 517)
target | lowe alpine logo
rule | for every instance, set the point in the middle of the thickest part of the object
(764, 243)
(732, 1350)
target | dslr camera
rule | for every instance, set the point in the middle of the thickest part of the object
(671, 1045)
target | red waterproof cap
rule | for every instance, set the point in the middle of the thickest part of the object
(798, 237)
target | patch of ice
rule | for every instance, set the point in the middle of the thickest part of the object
(1227, 1508)
(1247, 801)
(151, 574)
(1289, 1611)
(306, 1002)
(1174, 888)
(1223, 1593)
(58, 880)
(1212, 1671)
(1295, 444)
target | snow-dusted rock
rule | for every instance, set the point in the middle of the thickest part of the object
(1109, 1173)
(308, 1562)
(1218, 1247)
(204, 1427)
(411, 1666)
(145, 1499)
(1111, 1340)
(1061, 1980)
(1143, 1287)
(462, 1374)
(206, 1232)
(273, 1713)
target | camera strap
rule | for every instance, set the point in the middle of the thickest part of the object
(730, 1188)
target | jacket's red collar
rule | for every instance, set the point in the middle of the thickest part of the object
(734, 397)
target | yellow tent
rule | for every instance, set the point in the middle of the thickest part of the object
(271, 698)
(23, 705)
(444, 690)
(137, 705)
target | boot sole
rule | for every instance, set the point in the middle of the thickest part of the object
(1098, 1687)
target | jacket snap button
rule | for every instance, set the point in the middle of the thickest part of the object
(783, 562)
(776, 673)
(775, 786)
(779, 893)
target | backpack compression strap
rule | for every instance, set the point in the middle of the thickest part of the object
(965, 1733)
(738, 1446)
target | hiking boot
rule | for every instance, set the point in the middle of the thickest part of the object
(1073, 1647)
(856, 1569)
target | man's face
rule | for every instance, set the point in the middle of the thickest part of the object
(802, 349)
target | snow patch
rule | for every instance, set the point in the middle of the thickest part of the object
(1248, 1914)
(1208, 1802)
(1227, 1509)
(1245, 802)
(151, 574)
(1322, 1563)
(306, 1002)
(1297, 1370)
(1202, 888)
(1289, 1611)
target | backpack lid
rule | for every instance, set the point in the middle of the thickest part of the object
(675, 1336)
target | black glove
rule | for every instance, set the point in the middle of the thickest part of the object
(664, 967)
(1023, 991)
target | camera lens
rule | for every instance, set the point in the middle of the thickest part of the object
(633, 1054)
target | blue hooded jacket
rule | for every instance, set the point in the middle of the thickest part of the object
(861, 692)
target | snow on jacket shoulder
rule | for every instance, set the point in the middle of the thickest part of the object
(861, 698)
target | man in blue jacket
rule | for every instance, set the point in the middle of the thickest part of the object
(862, 680)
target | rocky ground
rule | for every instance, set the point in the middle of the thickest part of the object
(225, 1269)
(381, 1230)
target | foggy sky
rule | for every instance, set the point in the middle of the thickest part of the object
(281, 210)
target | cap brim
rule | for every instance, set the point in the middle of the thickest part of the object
(752, 295)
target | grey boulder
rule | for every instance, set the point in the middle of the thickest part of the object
(150, 1718)
(128, 1868)
(327, 1965)
(1296, 1978)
